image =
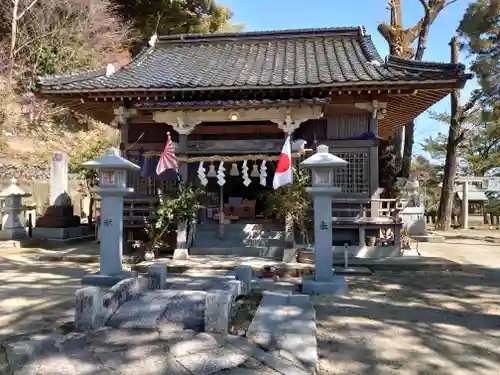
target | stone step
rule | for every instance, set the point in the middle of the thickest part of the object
(110, 351)
(286, 322)
(273, 252)
(153, 308)
(228, 242)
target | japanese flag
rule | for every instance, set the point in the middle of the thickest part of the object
(283, 175)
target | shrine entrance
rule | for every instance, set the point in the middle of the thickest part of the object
(240, 193)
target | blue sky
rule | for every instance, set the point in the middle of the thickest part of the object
(297, 14)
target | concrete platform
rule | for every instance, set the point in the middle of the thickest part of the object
(62, 234)
(286, 323)
(337, 286)
(353, 271)
(301, 269)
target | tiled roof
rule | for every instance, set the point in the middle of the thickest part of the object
(276, 59)
(230, 103)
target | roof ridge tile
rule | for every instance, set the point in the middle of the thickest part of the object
(349, 30)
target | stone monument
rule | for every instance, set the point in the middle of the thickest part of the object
(413, 211)
(58, 221)
(12, 225)
(112, 188)
(322, 165)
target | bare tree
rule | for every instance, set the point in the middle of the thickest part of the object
(17, 15)
(54, 37)
(401, 42)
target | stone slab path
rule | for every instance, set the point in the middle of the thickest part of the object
(286, 323)
(166, 351)
(183, 303)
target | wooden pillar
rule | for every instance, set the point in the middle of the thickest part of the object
(123, 138)
(183, 129)
(465, 205)
(374, 169)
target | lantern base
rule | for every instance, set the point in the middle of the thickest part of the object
(105, 280)
(337, 286)
(13, 234)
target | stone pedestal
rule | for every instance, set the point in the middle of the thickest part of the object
(58, 221)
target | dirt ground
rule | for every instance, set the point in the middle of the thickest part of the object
(412, 323)
(417, 323)
(35, 296)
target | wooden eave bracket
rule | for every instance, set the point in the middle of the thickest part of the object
(378, 109)
(287, 118)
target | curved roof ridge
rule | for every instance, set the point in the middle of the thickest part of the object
(287, 33)
(400, 62)
(84, 74)
(369, 49)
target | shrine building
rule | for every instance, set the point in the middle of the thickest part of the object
(234, 97)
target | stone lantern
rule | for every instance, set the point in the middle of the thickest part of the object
(12, 226)
(322, 165)
(112, 188)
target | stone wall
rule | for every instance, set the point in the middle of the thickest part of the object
(40, 191)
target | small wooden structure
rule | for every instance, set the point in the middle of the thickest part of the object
(235, 97)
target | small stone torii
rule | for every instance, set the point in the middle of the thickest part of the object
(493, 185)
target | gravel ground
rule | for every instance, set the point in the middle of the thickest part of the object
(418, 323)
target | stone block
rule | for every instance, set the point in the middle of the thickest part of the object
(157, 275)
(212, 361)
(281, 365)
(244, 274)
(180, 254)
(235, 288)
(98, 279)
(143, 359)
(201, 342)
(297, 336)
(20, 353)
(299, 300)
(88, 308)
(186, 308)
(337, 286)
(123, 291)
(265, 326)
(129, 289)
(61, 233)
(217, 310)
(144, 312)
(290, 256)
(13, 234)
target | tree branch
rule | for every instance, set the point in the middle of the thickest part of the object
(18, 17)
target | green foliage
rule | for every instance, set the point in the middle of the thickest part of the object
(88, 152)
(429, 176)
(167, 17)
(388, 169)
(181, 208)
(479, 151)
(480, 29)
(294, 201)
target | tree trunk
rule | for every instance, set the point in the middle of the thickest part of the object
(408, 150)
(91, 212)
(13, 35)
(397, 143)
(450, 166)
